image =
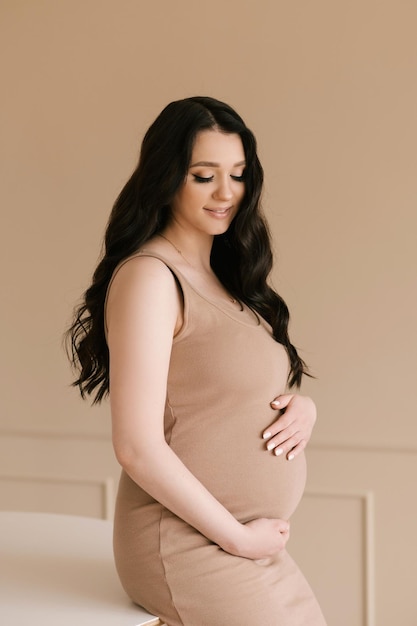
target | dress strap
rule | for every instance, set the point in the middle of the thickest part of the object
(179, 278)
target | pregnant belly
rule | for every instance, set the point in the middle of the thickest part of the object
(236, 468)
(265, 486)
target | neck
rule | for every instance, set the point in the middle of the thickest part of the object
(195, 253)
(201, 265)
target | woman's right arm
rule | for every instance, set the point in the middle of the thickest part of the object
(144, 311)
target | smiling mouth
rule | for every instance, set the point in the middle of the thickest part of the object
(219, 212)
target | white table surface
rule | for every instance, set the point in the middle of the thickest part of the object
(58, 570)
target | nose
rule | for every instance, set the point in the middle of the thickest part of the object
(223, 190)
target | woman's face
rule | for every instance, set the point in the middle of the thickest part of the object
(214, 186)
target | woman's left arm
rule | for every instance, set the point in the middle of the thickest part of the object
(290, 433)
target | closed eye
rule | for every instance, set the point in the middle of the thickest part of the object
(202, 179)
(208, 179)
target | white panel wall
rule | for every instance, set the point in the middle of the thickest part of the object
(354, 534)
(58, 473)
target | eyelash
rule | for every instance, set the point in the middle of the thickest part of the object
(202, 179)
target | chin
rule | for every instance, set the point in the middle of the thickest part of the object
(220, 230)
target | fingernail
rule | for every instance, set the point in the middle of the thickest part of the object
(290, 457)
(267, 435)
(270, 445)
(278, 451)
(276, 402)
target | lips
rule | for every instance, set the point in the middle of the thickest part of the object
(216, 212)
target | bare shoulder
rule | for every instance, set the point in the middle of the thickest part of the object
(144, 288)
(143, 273)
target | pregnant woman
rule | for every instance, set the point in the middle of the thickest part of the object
(182, 329)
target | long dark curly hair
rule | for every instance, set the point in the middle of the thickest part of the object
(241, 257)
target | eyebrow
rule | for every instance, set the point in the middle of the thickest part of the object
(211, 164)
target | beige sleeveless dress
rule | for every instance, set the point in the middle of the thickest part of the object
(225, 369)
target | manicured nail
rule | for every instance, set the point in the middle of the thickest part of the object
(270, 445)
(290, 457)
(278, 451)
(267, 435)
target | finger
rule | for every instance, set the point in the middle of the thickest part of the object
(287, 447)
(288, 438)
(283, 526)
(282, 401)
(296, 450)
(279, 426)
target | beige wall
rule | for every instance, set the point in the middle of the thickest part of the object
(329, 87)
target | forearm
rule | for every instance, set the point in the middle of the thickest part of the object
(163, 475)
